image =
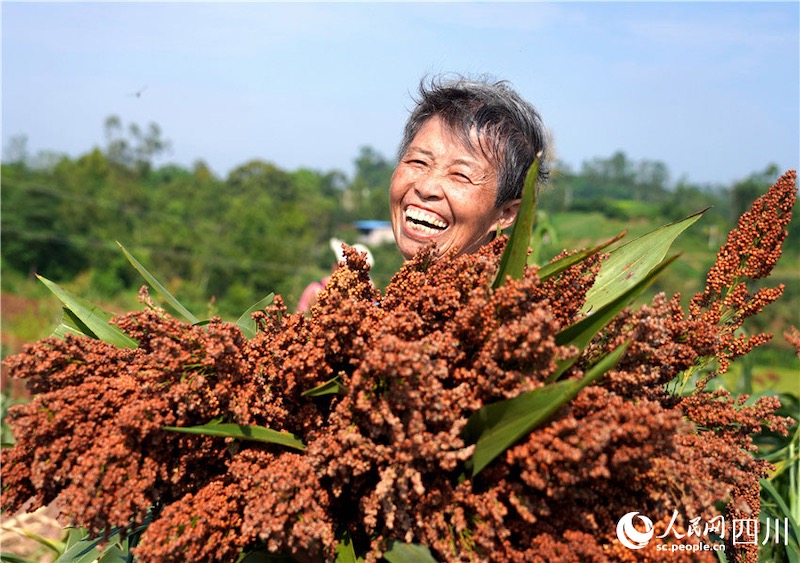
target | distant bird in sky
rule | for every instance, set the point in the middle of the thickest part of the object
(139, 92)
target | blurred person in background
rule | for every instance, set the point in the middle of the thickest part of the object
(310, 293)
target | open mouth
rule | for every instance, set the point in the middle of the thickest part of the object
(424, 221)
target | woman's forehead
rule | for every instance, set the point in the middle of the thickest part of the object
(476, 144)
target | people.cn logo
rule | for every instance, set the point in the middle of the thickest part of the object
(630, 536)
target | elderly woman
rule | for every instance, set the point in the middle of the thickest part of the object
(465, 151)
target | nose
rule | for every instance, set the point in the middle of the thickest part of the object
(429, 187)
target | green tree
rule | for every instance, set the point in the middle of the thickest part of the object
(369, 190)
(35, 238)
(135, 149)
(16, 152)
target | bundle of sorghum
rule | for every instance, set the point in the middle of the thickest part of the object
(384, 457)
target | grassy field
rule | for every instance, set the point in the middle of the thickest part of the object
(30, 311)
(775, 367)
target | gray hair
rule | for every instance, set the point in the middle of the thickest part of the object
(509, 129)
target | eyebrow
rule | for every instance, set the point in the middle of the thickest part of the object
(470, 163)
(463, 161)
(424, 152)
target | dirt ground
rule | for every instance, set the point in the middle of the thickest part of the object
(42, 523)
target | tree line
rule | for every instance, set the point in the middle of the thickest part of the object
(262, 229)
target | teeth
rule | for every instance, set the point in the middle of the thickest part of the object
(425, 229)
(430, 218)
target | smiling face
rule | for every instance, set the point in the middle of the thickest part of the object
(443, 192)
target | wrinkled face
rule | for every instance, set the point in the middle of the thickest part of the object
(442, 191)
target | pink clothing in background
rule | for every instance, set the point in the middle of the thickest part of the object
(309, 296)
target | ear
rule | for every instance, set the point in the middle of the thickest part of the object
(507, 214)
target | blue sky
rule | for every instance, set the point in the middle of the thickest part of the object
(711, 89)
